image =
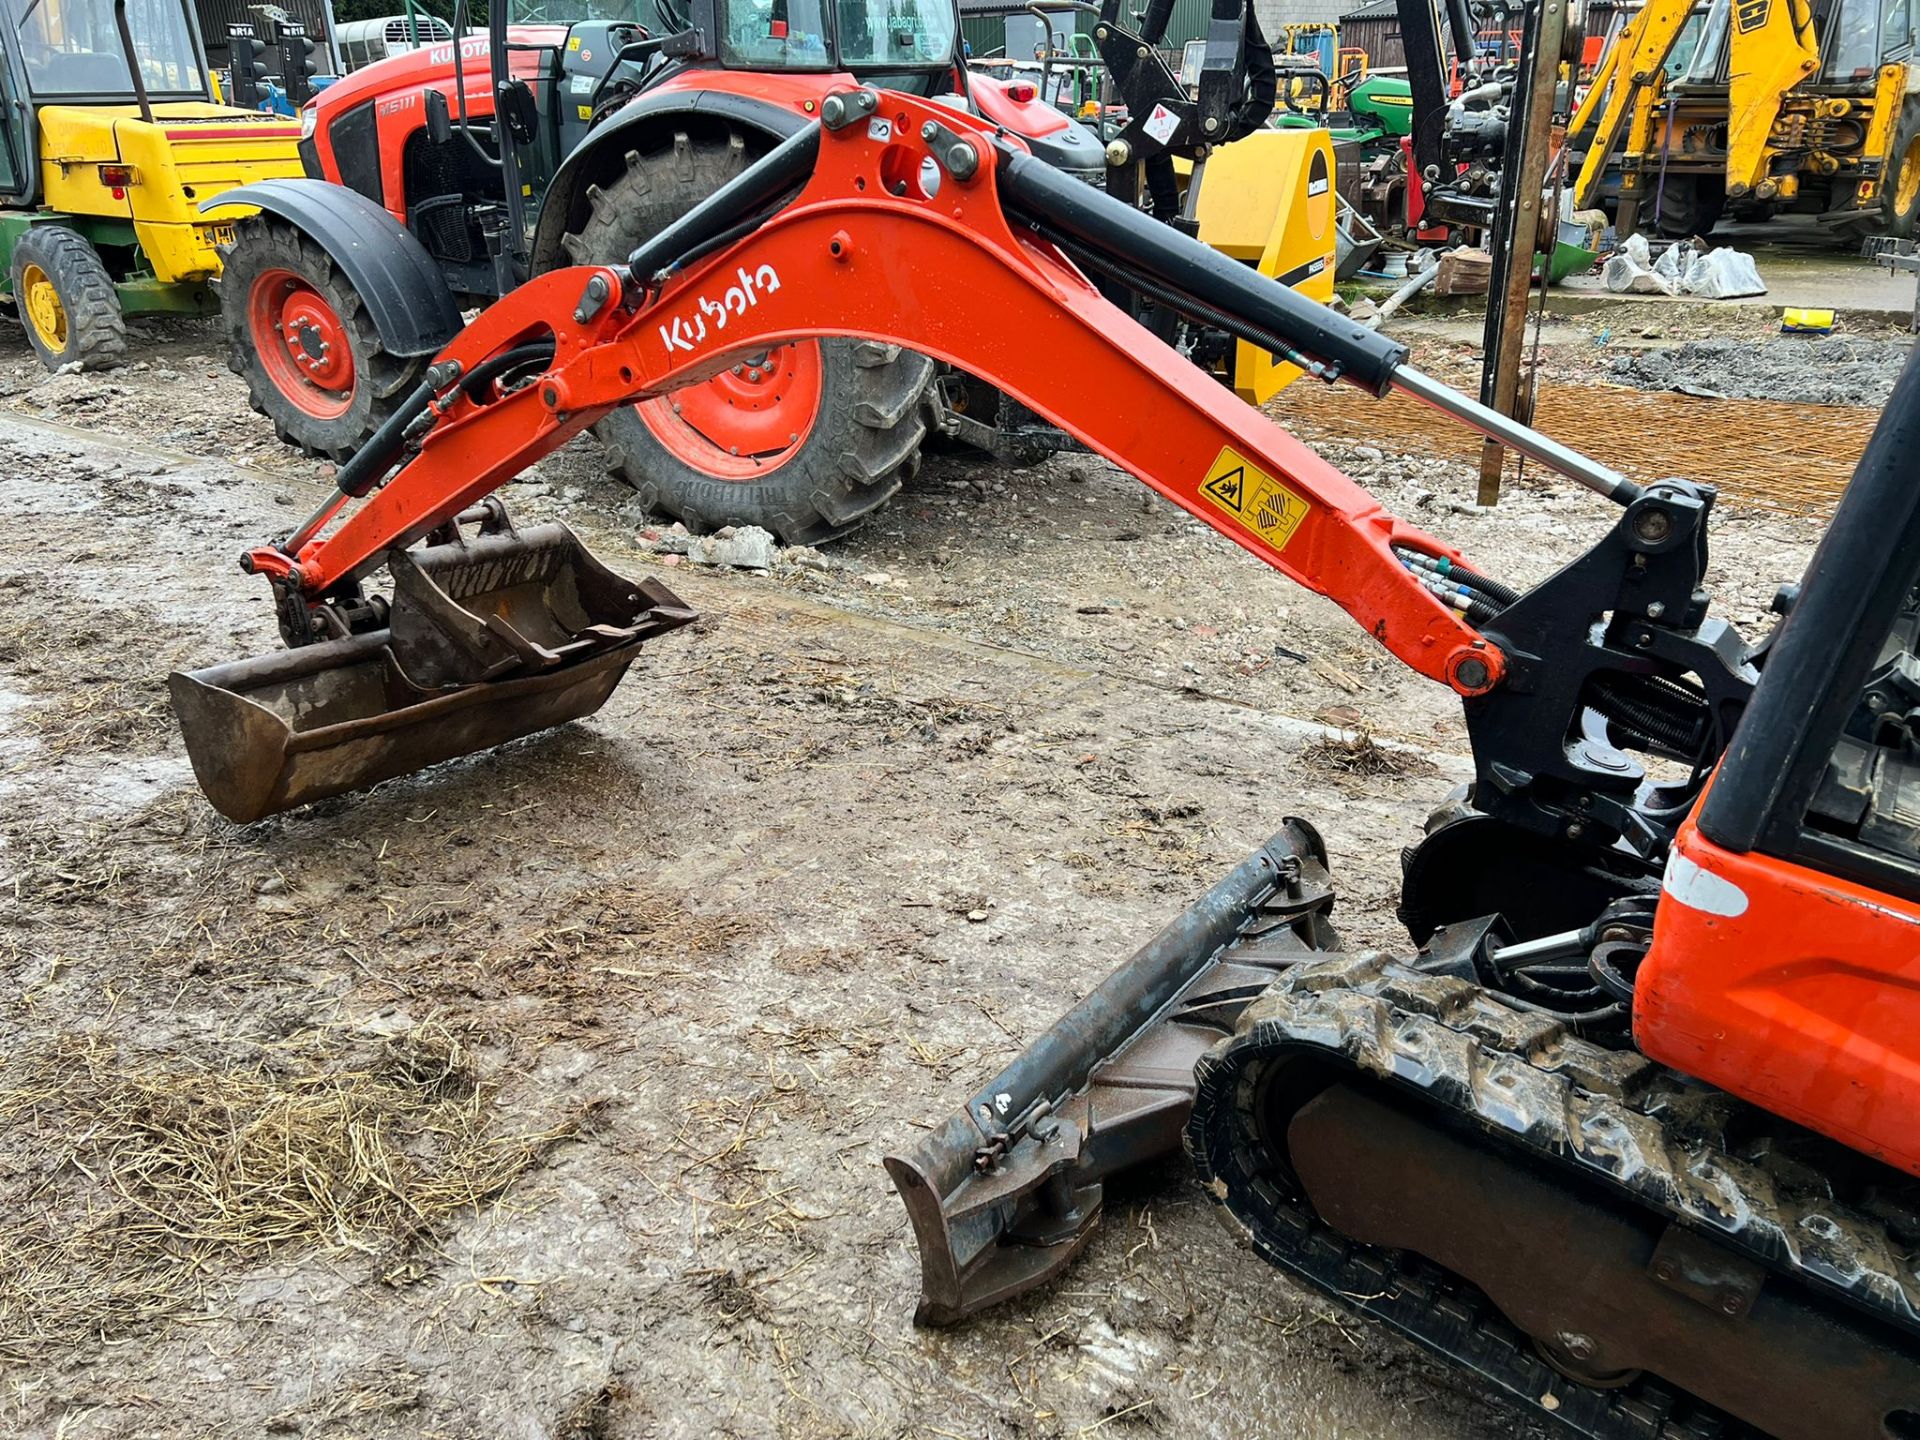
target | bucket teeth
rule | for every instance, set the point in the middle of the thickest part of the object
(488, 639)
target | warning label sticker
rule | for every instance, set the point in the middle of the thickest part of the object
(1254, 499)
(1160, 123)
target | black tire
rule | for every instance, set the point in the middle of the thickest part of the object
(1900, 177)
(320, 421)
(1689, 205)
(87, 328)
(865, 440)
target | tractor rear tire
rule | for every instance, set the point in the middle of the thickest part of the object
(807, 443)
(1900, 176)
(1690, 205)
(302, 338)
(67, 300)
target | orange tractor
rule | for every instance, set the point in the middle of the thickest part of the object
(415, 211)
(1627, 1129)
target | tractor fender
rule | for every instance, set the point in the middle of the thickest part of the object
(397, 280)
(603, 150)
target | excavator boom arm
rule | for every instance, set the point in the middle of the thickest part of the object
(916, 226)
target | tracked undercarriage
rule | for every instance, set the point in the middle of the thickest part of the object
(1628, 1253)
(1643, 1254)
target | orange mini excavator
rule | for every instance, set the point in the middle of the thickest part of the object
(1628, 1130)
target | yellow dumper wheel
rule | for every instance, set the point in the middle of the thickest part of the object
(67, 301)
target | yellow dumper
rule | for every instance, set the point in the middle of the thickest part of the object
(103, 163)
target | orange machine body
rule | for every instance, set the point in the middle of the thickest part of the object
(1794, 989)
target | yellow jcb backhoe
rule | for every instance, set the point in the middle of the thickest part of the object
(1758, 107)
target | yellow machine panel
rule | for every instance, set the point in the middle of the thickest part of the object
(189, 151)
(1268, 200)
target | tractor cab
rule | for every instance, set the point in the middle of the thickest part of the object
(66, 63)
(871, 39)
(109, 136)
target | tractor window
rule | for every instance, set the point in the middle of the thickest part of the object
(776, 35)
(1853, 41)
(1896, 32)
(894, 34)
(1680, 58)
(1870, 792)
(72, 47)
(1711, 49)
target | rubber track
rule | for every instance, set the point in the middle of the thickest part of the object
(1614, 1116)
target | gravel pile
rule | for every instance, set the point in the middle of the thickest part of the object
(1813, 370)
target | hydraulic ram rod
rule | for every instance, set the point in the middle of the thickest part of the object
(1041, 196)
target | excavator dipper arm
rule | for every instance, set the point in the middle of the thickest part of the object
(918, 226)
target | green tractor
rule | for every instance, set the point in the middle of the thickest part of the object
(1372, 130)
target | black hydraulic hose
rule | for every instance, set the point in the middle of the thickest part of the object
(368, 466)
(1186, 305)
(537, 352)
(726, 237)
(1501, 594)
(1038, 194)
(781, 170)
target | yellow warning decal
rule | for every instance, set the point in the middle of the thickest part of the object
(1254, 499)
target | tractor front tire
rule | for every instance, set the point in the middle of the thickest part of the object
(302, 338)
(805, 440)
(67, 300)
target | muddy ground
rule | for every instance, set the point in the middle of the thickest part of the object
(545, 1094)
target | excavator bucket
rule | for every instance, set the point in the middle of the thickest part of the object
(488, 639)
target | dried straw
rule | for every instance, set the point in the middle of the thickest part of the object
(129, 1184)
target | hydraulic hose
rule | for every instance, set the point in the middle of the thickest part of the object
(363, 470)
(1038, 194)
(734, 209)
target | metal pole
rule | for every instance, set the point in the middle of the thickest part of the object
(1517, 223)
(133, 60)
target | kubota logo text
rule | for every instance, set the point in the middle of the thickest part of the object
(738, 299)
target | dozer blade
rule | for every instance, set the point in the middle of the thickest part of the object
(1007, 1191)
(487, 640)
